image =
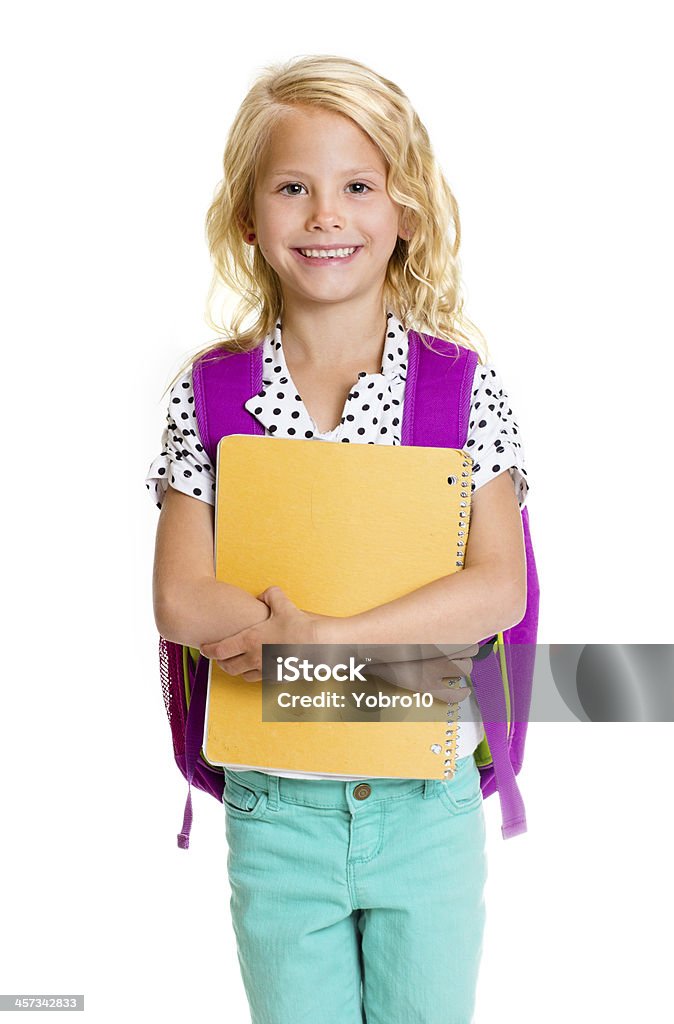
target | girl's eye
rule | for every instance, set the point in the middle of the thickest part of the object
(360, 185)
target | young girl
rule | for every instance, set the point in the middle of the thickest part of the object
(352, 899)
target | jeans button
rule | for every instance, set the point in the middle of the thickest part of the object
(362, 791)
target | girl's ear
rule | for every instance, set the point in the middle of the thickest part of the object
(248, 231)
(406, 224)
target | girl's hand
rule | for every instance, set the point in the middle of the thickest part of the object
(241, 653)
(427, 675)
(460, 654)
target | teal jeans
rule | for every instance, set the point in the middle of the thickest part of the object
(357, 902)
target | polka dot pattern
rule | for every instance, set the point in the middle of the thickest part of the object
(493, 440)
(183, 462)
(372, 414)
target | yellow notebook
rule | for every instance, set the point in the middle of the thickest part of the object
(341, 528)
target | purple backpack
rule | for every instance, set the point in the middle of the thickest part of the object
(436, 413)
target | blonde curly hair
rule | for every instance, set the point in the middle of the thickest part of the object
(422, 286)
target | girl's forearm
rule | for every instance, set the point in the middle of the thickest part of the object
(463, 608)
(459, 609)
(207, 611)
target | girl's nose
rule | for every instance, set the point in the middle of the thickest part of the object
(325, 214)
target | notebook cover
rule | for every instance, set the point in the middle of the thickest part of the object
(341, 528)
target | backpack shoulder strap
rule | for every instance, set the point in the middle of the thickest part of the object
(437, 392)
(222, 382)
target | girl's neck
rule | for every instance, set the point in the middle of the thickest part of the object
(333, 336)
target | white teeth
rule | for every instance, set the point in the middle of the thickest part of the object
(328, 253)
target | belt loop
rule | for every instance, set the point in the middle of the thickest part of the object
(429, 788)
(273, 792)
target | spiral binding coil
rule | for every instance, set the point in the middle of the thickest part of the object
(453, 724)
(464, 506)
(452, 733)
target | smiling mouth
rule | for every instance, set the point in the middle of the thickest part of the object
(338, 253)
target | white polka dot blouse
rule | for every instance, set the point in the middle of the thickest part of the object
(372, 415)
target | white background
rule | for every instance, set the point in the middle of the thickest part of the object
(551, 123)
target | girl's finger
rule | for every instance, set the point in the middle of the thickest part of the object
(426, 677)
(457, 668)
(449, 695)
(237, 666)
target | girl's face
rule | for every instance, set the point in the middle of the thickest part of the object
(322, 186)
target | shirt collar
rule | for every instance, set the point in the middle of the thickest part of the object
(278, 386)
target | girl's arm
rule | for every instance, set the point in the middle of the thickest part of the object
(191, 607)
(487, 596)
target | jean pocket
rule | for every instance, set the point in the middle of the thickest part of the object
(462, 793)
(241, 801)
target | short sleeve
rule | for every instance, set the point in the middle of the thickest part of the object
(494, 440)
(183, 461)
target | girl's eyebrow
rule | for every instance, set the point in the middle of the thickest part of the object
(348, 173)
